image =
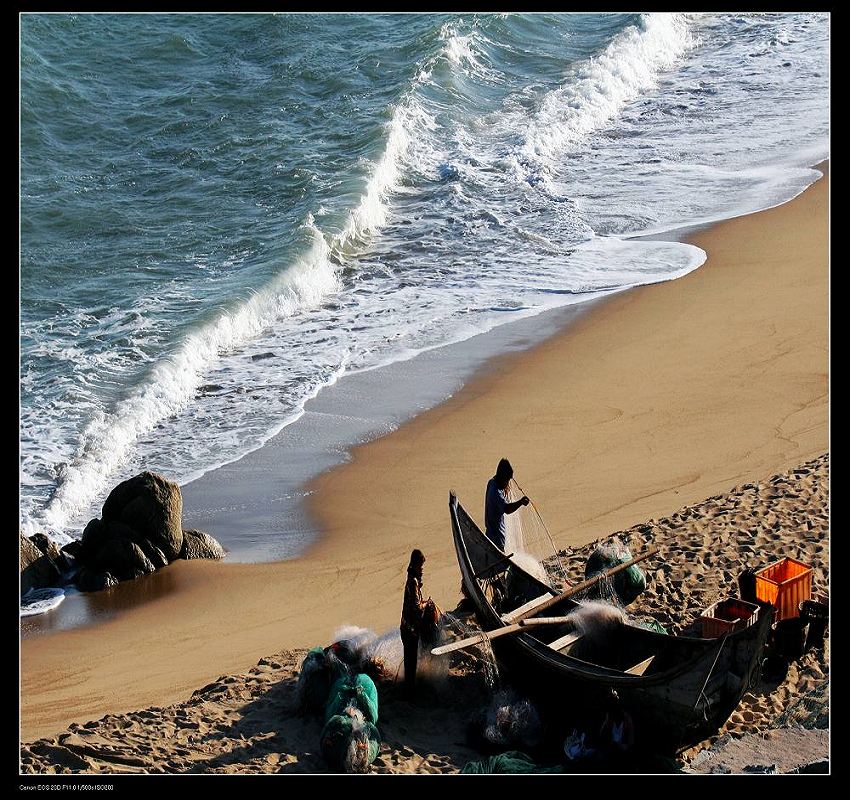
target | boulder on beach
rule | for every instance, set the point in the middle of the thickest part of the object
(124, 559)
(93, 538)
(139, 533)
(197, 544)
(152, 506)
(64, 562)
(153, 553)
(38, 570)
(90, 580)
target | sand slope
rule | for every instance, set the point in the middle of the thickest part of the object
(249, 723)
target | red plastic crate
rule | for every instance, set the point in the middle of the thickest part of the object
(785, 584)
(726, 616)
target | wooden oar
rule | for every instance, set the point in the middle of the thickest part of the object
(580, 587)
(543, 621)
(523, 622)
(479, 638)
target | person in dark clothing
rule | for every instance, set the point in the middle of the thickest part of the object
(411, 618)
(496, 504)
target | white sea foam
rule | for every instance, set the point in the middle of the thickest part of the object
(458, 47)
(371, 213)
(174, 380)
(597, 89)
(411, 125)
(464, 51)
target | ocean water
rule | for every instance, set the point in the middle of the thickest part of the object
(223, 214)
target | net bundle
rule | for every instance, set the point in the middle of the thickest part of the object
(529, 540)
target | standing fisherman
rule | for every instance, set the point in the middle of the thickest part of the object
(411, 619)
(496, 504)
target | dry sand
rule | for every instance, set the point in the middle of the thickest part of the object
(658, 398)
(249, 723)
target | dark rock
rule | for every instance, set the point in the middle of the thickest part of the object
(38, 571)
(63, 562)
(46, 545)
(89, 580)
(154, 554)
(151, 505)
(120, 530)
(93, 538)
(123, 558)
(68, 560)
(66, 565)
(72, 549)
(197, 544)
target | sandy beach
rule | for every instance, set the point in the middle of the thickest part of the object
(250, 722)
(709, 386)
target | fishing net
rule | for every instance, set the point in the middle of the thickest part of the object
(350, 742)
(650, 624)
(625, 586)
(514, 762)
(314, 680)
(382, 657)
(379, 657)
(358, 691)
(528, 538)
(480, 657)
(508, 721)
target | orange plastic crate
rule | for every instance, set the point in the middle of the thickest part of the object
(726, 616)
(785, 584)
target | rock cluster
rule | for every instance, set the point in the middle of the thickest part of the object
(138, 532)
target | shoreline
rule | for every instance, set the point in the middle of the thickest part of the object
(343, 416)
(241, 612)
(649, 311)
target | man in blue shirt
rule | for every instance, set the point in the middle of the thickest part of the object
(496, 504)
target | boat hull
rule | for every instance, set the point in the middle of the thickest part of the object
(691, 690)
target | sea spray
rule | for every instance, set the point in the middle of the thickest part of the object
(600, 86)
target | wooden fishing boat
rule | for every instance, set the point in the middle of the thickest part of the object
(678, 689)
